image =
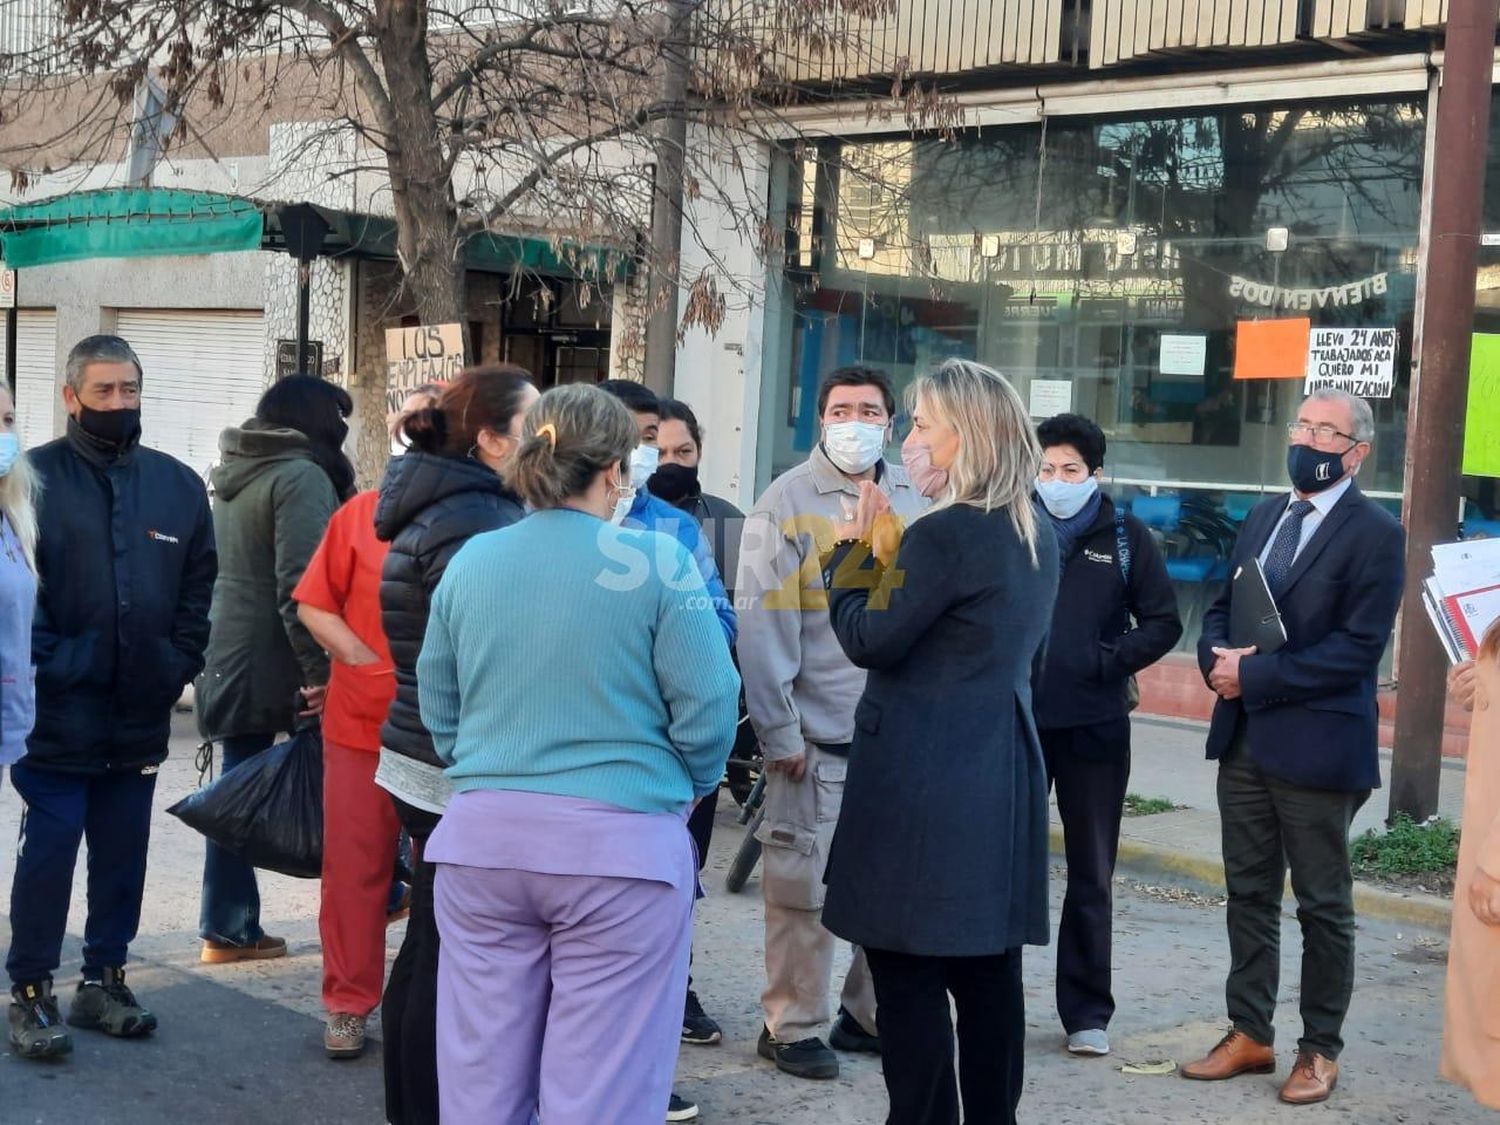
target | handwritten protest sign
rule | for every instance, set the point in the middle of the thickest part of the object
(1482, 420)
(427, 353)
(1361, 361)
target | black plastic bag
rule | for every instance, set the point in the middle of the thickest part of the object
(268, 810)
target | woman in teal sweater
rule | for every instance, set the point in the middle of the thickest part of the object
(575, 679)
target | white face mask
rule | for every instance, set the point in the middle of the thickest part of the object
(1065, 499)
(623, 504)
(643, 462)
(853, 446)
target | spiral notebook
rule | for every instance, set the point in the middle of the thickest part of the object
(1461, 619)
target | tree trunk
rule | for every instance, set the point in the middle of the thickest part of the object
(421, 185)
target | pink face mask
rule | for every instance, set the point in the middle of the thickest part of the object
(930, 481)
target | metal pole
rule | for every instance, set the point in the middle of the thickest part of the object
(1439, 390)
(666, 204)
(12, 327)
(304, 313)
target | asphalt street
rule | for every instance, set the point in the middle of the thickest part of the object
(240, 1044)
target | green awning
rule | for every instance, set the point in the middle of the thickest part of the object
(133, 223)
(154, 222)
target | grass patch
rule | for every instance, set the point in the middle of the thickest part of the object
(1407, 848)
(1136, 805)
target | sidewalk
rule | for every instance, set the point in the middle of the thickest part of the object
(1167, 761)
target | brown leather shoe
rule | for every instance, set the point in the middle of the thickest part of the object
(1235, 1054)
(1312, 1079)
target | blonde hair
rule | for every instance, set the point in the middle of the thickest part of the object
(571, 434)
(998, 454)
(18, 492)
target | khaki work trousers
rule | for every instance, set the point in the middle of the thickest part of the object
(797, 830)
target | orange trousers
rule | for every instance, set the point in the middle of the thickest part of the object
(360, 830)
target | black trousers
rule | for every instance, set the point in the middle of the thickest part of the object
(1090, 767)
(408, 1012)
(1269, 825)
(916, 1036)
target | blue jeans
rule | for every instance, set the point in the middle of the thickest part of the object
(231, 899)
(113, 813)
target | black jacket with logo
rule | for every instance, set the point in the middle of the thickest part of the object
(126, 561)
(429, 507)
(1103, 632)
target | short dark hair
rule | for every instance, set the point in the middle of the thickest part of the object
(1083, 434)
(673, 410)
(857, 376)
(637, 397)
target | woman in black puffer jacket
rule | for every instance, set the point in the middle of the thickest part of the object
(433, 500)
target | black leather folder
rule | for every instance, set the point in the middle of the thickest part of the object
(1253, 616)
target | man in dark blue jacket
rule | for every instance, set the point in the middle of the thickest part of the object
(126, 563)
(1295, 734)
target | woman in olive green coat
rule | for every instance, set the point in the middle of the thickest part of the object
(282, 475)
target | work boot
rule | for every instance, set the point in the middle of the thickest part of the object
(36, 1026)
(107, 1005)
(227, 953)
(806, 1058)
(698, 1027)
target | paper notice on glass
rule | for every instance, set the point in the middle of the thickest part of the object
(1183, 356)
(1051, 396)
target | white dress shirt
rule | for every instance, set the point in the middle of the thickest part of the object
(1322, 503)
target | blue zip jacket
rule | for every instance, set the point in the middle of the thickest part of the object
(654, 514)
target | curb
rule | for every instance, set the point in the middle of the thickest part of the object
(1428, 911)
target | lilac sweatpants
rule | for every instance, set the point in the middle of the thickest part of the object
(559, 995)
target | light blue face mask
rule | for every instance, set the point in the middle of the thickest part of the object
(1065, 499)
(10, 450)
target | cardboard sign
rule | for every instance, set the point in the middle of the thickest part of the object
(1482, 420)
(427, 353)
(1361, 361)
(1271, 349)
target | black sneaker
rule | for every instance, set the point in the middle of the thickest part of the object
(848, 1035)
(680, 1109)
(806, 1058)
(697, 1027)
(36, 1026)
(107, 1005)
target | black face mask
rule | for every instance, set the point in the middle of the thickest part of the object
(674, 482)
(1314, 470)
(118, 428)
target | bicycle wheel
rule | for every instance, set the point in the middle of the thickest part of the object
(744, 860)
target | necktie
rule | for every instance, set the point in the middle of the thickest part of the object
(1284, 547)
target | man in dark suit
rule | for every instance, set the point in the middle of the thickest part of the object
(1294, 733)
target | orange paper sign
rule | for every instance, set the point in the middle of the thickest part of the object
(1271, 349)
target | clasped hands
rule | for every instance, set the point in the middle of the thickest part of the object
(872, 522)
(1224, 677)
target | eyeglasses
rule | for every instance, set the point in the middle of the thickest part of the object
(1322, 433)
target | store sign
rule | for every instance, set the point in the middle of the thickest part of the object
(7, 287)
(428, 353)
(1306, 300)
(1361, 361)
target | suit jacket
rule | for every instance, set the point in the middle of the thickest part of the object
(1309, 710)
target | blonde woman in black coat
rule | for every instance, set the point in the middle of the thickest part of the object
(939, 865)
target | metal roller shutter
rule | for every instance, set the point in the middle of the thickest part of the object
(203, 371)
(37, 373)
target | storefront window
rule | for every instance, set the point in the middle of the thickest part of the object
(1104, 267)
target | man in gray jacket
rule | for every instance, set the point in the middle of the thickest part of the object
(801, 691)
